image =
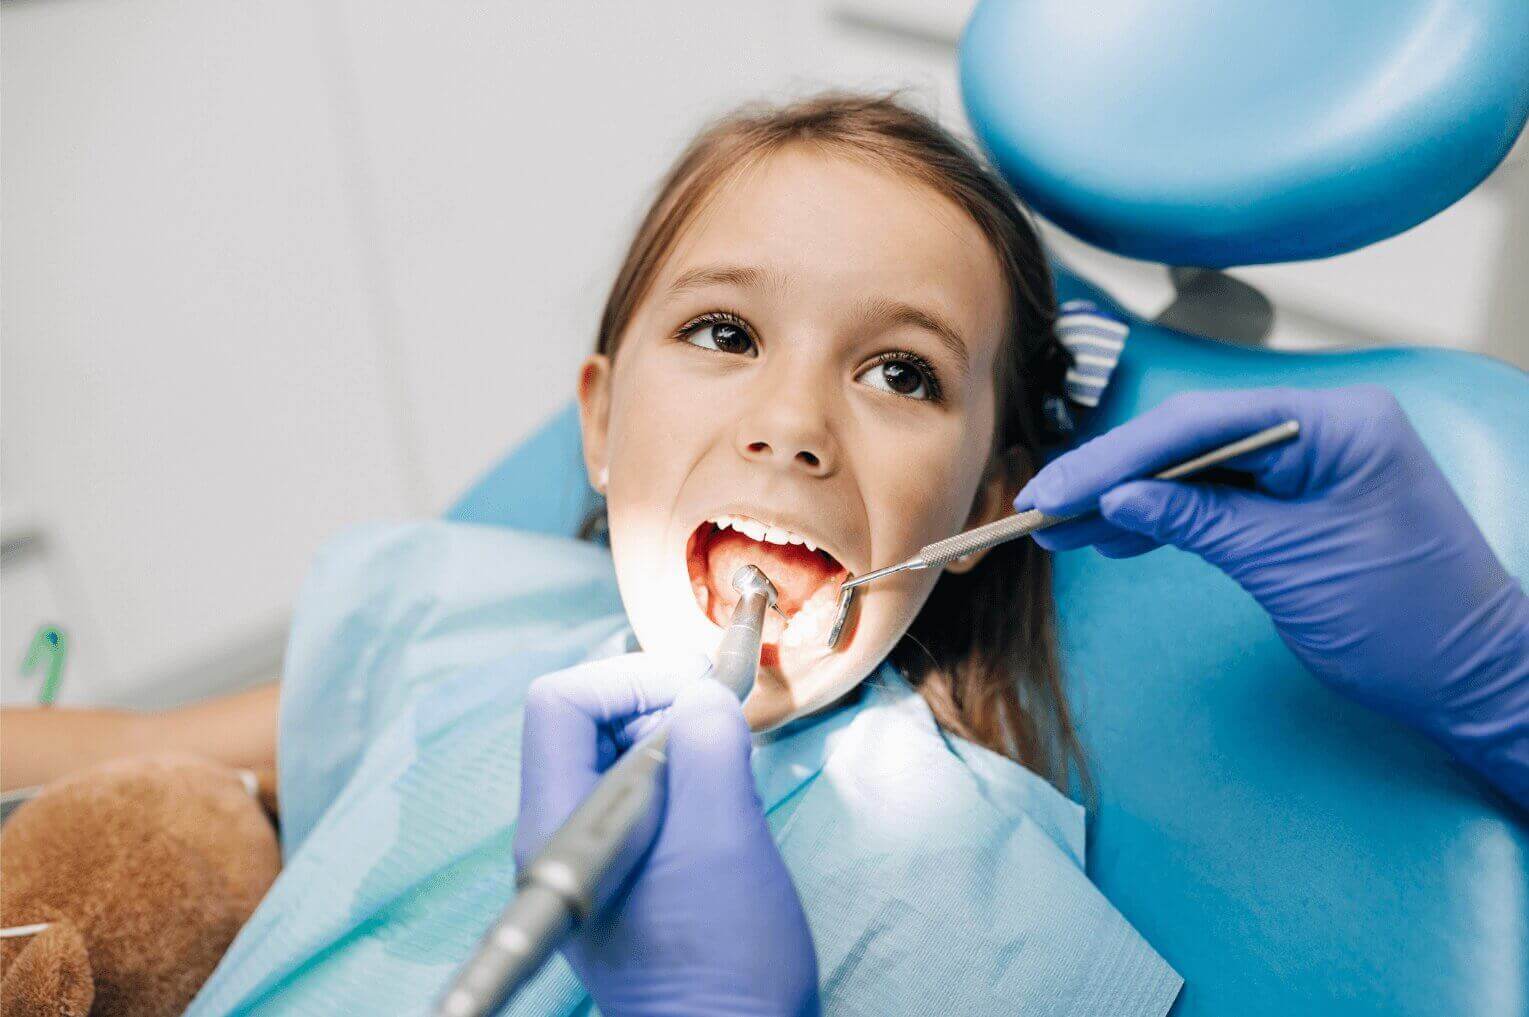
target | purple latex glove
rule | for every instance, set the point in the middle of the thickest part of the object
(711, 923)
(1374, 574)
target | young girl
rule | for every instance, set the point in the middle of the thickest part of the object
(829, 344)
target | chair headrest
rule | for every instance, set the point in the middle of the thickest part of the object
(1217, 134)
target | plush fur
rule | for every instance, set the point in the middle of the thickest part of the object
(147, 868)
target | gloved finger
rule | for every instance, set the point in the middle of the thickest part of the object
(712, 797)
(1076, 533)
(1180, 428)
(567, 716)
(1194, 517)
(715, 834)
(1127, 545)
(616, 693)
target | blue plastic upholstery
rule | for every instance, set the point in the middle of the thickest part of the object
(540, 486)
(1287, 851)
(1194, 132)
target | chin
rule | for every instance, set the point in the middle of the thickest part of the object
(788, 690)
(682, 599)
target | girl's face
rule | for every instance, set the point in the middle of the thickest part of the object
(808, 387)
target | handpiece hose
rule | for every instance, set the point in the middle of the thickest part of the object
(594, 850)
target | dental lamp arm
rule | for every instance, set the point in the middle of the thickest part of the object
(711, 923)
(1373, 572)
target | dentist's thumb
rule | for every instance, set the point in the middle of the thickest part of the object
(742, 898)
(711, 781)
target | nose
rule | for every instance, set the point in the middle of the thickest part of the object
(788, 428)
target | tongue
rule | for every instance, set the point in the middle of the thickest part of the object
(796, 572)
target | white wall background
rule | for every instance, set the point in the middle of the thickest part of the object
(269, 269)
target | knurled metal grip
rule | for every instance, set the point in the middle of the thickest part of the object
(943, 552)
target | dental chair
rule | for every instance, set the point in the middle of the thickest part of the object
(1289, 852)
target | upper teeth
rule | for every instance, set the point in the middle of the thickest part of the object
(755, 530)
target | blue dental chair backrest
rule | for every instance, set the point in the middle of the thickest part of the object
(1287, 851)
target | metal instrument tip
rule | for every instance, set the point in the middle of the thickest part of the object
(841, 615)
(749, 579)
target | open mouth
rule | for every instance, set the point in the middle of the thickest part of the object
(805, 576)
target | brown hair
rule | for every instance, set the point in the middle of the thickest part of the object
(982, 651)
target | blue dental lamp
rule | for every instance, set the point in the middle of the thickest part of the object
(1288, 851)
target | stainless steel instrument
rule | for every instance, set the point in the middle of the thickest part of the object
(943, 552)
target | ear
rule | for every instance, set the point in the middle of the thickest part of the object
(594, 416)
(50, 977)
(1006, 474)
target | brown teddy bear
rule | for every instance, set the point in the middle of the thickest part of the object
(142, 871)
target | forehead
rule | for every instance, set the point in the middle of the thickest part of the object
(832, 227)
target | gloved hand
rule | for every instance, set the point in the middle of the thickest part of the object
(711, 924)
(1374, 574)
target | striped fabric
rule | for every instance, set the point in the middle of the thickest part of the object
(1095, 340)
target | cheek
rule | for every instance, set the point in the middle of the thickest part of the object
(662, 422)
(911, 509)
(922, 484)
(648, 419)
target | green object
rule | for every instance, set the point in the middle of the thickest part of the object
(51, 643)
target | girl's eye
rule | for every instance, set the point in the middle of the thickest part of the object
(725, 333)
(901, 374)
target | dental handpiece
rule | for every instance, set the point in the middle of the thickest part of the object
(943, 552)
(595, 848)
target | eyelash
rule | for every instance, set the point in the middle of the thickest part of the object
(931, 379)
(714, 318)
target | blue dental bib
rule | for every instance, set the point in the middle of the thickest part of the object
(936, 876)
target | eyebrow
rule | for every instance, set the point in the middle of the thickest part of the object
(891, 313)
(740, 276)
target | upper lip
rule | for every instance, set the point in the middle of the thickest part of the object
(787, 521)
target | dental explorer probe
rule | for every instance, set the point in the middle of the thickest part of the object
(595, 847)
(943, 552)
